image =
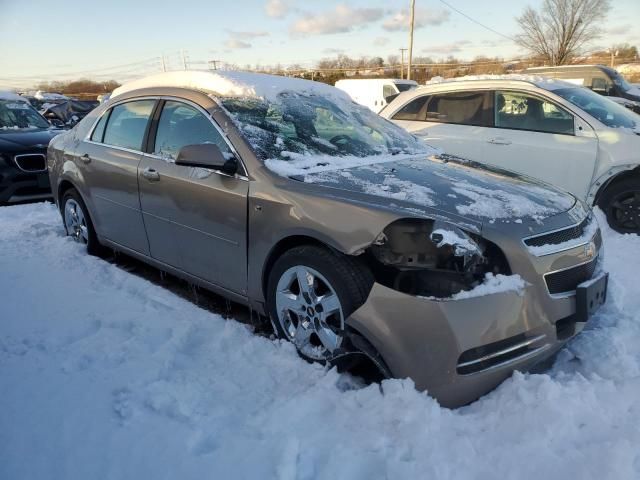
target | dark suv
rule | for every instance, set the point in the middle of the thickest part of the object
(24, 137)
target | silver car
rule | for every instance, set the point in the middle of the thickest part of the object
(361, 245)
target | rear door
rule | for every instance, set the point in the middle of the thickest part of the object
(196, 218)
(537, 137)
(109, 160)
(454, 121)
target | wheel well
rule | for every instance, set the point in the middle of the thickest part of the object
(64, 186)
(281, 247)
(616, 178)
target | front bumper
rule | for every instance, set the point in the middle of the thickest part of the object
(18, 186)
(459, 350)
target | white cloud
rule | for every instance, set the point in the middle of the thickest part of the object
(239, 39)
(238, 35)
(620, 29)
(380, 41)
(400, 21)
(446, 48)
(277, 8)
(234, 43)
(333, 51)
(342, 19)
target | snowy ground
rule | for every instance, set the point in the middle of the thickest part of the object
(106, 375)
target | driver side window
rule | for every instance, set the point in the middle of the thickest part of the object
(181, 124)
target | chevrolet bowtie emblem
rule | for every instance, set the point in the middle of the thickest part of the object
(590, 250)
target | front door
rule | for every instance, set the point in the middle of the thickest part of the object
(536, 137)
(109, 163)
(196, 218)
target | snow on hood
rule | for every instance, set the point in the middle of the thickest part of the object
(233, 84)
(539, 80)
(450, 185)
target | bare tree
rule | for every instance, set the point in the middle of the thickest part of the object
(561, 28)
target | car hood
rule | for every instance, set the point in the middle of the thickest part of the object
(451, 188)
(16, 140)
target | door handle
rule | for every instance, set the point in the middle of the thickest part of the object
(85, 158)
(499, 141)
(151, 175)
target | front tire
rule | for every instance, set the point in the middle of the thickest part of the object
(311, 291)
(77, 222)
(621, 204)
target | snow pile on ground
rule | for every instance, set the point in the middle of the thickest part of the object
(106, 376)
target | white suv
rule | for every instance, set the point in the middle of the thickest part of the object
(549, 129)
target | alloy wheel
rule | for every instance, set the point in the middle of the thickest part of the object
(309, 312)
(75, 222)
(624, 210)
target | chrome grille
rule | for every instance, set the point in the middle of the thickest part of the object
(560, 236)
(565, 281)
(31, 162)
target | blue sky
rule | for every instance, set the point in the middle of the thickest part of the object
(55, 40)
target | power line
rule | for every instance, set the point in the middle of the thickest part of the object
(476, 21)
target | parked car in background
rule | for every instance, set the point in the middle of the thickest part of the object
(358, 241)
(556, 131)
(603, 80)
(24, 137)
(375, 93)
(66, 114)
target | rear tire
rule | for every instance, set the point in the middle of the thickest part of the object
(621, 204)
(311, 291)
(77, 222)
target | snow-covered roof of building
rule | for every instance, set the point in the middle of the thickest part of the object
(232, 84)
(7, 95)
(538, 80)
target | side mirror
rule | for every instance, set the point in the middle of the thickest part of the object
(206, 155)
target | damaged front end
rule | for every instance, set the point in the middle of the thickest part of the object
(432, 258)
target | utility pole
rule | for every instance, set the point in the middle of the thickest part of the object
(413, 11)
(402, 50)
(164, 65)
(184, 59)
(214, 64)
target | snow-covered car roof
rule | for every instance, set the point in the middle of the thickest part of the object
(7, 95)
(537, 80)
(232, 84)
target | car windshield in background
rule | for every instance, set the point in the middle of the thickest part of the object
(314, 125)
(403, 87)
(20, 115)
(621, 82)
(605, 110)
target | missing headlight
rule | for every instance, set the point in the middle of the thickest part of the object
(433, 258)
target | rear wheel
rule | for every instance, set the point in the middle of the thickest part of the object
(311, 292)
(621, 204)
(77, 222)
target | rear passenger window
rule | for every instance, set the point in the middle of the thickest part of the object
(181, 124)
(464, 108)
(414, 110)
(98, 132)
(127, 124)
(520, 111)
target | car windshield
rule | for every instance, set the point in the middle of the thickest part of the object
(403, 87)
(621, 82)
(309, 124)
(15, 114)
(605, 110)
